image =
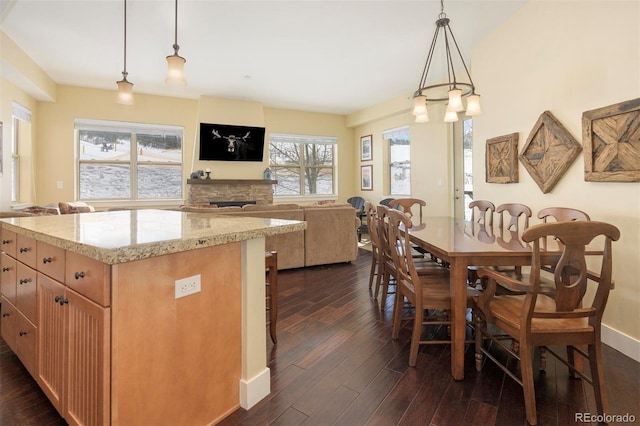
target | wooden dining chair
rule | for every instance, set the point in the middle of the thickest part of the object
(376, 256)
(539, 319)
(515, 213)
(562, 214)
(406, 205)
(423, 292)
(482, 213)
(388, 277)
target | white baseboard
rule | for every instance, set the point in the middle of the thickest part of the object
(621, 342)
(255, 389)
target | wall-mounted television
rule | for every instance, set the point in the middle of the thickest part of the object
(222, 142)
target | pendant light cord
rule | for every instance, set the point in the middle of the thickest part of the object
(175, 44)
(124, 73)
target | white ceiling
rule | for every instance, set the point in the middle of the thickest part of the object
(324, 56)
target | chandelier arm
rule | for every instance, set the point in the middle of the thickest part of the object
(450, 70)
(427, 65)
(462, 59)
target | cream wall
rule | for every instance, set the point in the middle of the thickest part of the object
(431, 153)
(553, 55)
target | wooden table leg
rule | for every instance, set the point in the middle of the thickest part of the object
(458, 315)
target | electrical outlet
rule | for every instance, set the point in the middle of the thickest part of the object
(187, 286)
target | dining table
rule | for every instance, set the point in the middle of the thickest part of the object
(462, 243)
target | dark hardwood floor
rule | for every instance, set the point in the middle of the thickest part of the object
(335, 363)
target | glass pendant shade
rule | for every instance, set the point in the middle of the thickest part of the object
(455, 100)
(420, 105)
(175, 71)
(473, 105)
(422, 118)
(125, 92)
(450, 116)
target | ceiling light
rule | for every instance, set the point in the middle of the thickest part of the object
(455, 89)
(125, 88)
(175, 62)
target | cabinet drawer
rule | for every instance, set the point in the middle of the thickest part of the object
(89, 277)
(27, 344)
(26, 250)
(9, 323)
(8, 242)
(8, 277)
(26, 300)
(51, 261)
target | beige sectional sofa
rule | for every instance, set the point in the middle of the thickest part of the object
(330, 237)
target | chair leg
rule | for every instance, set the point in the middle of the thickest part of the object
(373, 272)
(415, 335)
(385, 289)
(543, 358)
(479, 324)
(397, 315)
(379, 278)
(526, 371)
(597, 377)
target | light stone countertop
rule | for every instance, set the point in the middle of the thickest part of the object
(124, 236)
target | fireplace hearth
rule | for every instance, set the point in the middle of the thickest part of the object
(231, 203)
(205, 192)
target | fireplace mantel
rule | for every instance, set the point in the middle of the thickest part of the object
(201, 192)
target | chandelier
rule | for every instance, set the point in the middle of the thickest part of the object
(453, 90)
(175, 62)
(125, 88)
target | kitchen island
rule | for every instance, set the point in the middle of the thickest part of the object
(141, 316)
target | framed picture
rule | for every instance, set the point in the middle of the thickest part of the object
(609, 135)
(366, 178)
(501, 159)
(365, 148)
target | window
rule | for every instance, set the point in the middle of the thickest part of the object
(21, 155)
(467, 149)
(128, 161)
(302, 165)
(399, 160)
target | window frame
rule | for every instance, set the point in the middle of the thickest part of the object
(132, 163)
(301, 166)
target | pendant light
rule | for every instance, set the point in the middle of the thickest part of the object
(125, 88)
(175, 62)
(457, 89)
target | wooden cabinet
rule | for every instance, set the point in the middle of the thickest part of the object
(8, 243)
(74, 355)
(26, 292)
(9, 324)
(8, 277)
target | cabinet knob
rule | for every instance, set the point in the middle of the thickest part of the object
(6, 269)
(24, 281)
(6, 314)
(46, 260)
(79, 275)
(23, 333)
(61, 300)
(24, 249)
(6, 241)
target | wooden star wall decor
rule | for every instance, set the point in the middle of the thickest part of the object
(501, 159)
(611, 138)
(549, 151)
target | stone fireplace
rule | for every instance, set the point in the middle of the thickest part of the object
(204, 192)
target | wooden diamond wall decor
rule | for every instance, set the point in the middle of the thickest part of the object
(549, 151)
(501, 159)
(611, 138)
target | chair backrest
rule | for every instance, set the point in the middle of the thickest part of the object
(400, 247)
(357, 203)
(383, 232)
(372, 226)
(406, 205)
(385, 202)
(484, 212)
(562, 214)
(515, 212)
(570, 273)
